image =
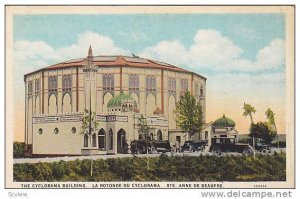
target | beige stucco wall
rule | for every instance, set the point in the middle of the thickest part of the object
(65, 142)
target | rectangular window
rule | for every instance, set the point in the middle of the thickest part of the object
(67, 82)
(150, 83)
(184, 85)
(37, 85)
(52, 83)
(134, 82)
(172, 85)
(29, 87)
(108, 82)
(197, 89)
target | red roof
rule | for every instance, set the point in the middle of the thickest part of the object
(117, 61)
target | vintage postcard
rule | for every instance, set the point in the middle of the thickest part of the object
(150, 97)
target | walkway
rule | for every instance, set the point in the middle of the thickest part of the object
(72, 158)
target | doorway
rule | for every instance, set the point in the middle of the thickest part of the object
(122, 146)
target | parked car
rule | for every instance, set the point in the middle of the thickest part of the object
(219, 145)
(260, 145)
(163, 146)
(192, 146)
(150, 146)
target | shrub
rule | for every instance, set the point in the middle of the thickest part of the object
(60, 169)
(18, 149)
(162, 168)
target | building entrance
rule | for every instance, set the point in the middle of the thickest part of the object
(122, 146)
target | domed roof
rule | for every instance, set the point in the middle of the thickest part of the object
(224, 122)
(115, 61)
(117, 100)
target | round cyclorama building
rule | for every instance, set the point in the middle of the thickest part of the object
(119, 89)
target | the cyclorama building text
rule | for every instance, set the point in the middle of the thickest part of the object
(123, 89)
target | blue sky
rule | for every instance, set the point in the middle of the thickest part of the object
(250, 32)
(242, 55)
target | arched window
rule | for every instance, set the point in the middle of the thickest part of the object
(111, 140)
(101, 139)
(94, 140)
(151, 136)
(67, 103)
(37, 104)
(86, 140)
(159, 135)
(52, 106)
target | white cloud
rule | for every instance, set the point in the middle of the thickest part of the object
(212, 50)
(102, 45)
(272, 55)
(29, 54)
(30, 50)
(33, 55)
(167, 51)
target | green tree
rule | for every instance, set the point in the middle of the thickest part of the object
(144, 128)
(262, 130)
(270, 116)
(144, 132)
(199, 120)
(89, 125)
(248, 110)
(189, 115)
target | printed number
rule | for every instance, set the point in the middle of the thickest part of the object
(260, 186)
